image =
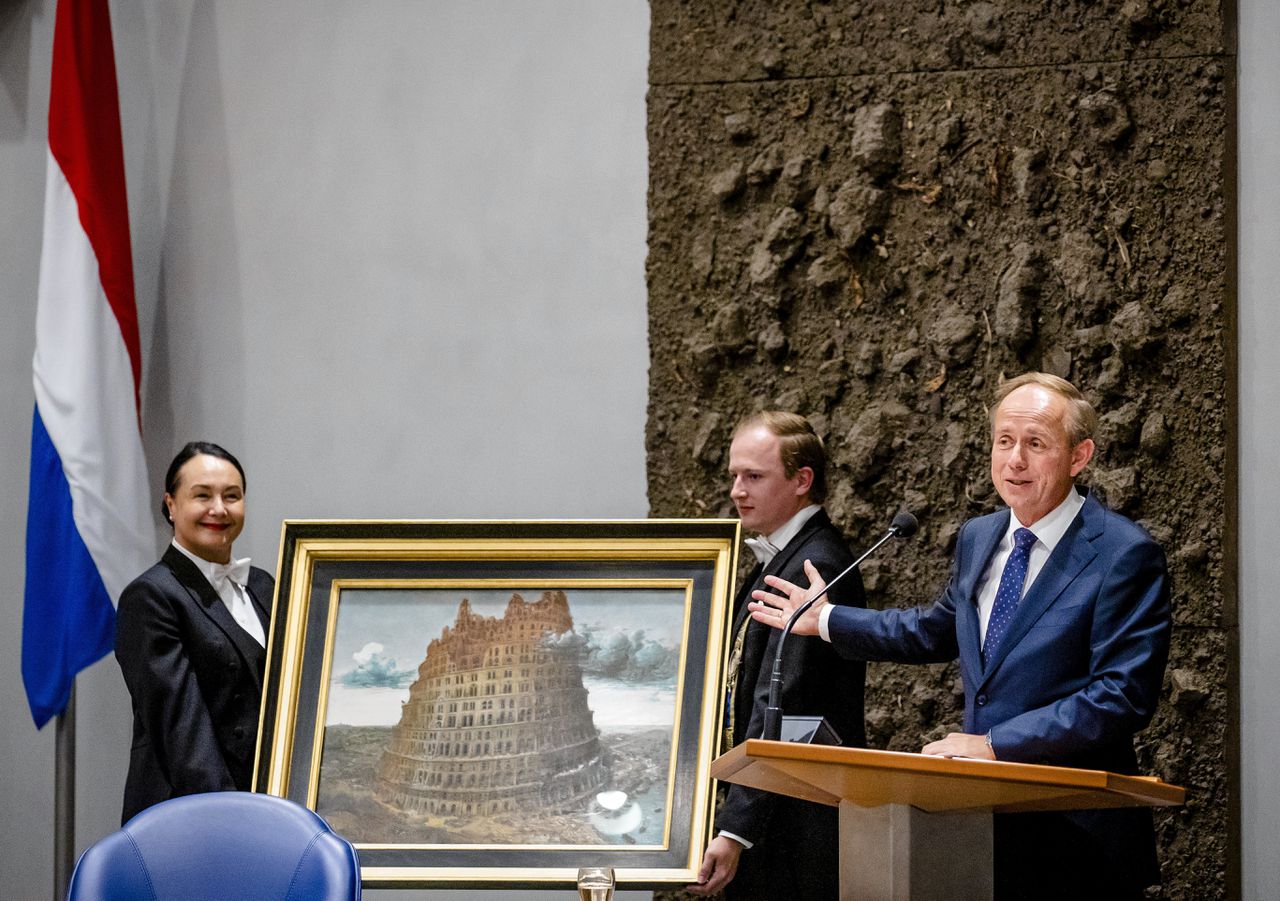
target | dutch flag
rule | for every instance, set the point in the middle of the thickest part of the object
(89, 529)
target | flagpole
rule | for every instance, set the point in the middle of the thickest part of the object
(64, 798)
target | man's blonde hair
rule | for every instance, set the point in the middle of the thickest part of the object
(1081, 420)
(798, 445)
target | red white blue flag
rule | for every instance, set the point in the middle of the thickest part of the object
(89, 529)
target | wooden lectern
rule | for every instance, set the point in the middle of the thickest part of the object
(898, 809)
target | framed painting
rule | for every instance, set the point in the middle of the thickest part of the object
(498, 704)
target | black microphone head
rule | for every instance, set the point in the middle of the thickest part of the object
(904, 525)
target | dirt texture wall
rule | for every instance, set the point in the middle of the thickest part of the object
(869, 212)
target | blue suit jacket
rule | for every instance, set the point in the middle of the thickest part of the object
(1079, 670)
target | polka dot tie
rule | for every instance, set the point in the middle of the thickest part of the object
(1009, 592)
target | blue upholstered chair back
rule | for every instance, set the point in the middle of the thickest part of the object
(221, 845)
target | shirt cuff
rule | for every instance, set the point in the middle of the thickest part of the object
(737, 838)
(823, 616)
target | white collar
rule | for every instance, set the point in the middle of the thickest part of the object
(791, 528)
(237, 570)
(1049, 528)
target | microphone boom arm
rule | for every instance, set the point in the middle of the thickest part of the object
(903, 526)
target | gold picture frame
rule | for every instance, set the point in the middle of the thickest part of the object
(485, 704)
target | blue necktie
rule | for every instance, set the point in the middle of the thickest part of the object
(1010, 591)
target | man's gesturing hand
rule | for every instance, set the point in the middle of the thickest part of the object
(774, 609)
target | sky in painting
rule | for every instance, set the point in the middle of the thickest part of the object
(382, 637)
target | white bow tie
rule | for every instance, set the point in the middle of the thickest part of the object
(237, 571)
(763, 548)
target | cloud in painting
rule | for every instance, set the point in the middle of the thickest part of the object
(626, 655)
(374, 669)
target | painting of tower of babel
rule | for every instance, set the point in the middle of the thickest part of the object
(516, 727)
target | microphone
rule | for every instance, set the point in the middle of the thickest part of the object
(903, 525)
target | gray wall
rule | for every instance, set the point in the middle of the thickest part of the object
(1259, 380)
(389, 254)
(312, 188)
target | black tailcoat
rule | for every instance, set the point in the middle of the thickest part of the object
(195, 682)
(795, 851)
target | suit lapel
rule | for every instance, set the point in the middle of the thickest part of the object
(777, 564)
(1074, 552)
(755, 643)
(987, 534)
(207, 600)
(261, 606)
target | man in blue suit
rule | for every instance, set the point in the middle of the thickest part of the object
(1058, 610)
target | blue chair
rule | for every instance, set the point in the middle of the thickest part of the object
(220, 845)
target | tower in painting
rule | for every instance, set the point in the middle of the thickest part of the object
(497, 720)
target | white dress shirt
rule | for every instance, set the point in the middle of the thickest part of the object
(228, 580)
(767, 547)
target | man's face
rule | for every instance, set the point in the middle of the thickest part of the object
(1033, 464)
(761, 491)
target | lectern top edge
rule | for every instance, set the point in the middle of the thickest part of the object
(1153, 790)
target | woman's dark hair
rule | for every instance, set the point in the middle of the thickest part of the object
(195, 449)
